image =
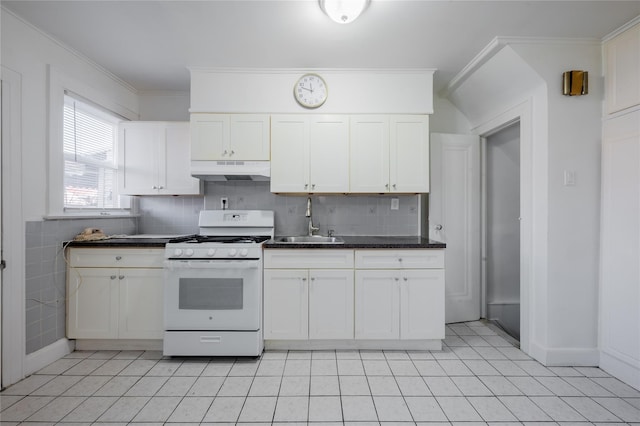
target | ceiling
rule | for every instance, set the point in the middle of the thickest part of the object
(150, 44)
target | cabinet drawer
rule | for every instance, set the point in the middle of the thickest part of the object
(308, 259)
(399, 259)
(115, 257)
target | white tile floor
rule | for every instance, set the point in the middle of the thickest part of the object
(478, 378)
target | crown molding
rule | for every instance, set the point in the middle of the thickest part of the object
(622, 29)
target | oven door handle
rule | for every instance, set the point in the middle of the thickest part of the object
(211, 264)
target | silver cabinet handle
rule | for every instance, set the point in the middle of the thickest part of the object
(438, 228)
(118, 257)
(154, 187)
(121, 277)
(304, 279)
(399, 259)
(232, 152)
(313, 279)
(313, 186)
(386, 186)
(306, 185)
(113, 277)
(397, 279)
(406, 279)
(394, 186)
(224, 152)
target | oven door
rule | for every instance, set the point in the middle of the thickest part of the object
(212, 294)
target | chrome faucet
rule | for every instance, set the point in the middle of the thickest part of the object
(312, 228)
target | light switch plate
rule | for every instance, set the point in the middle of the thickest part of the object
(569, 178)
(395, 203)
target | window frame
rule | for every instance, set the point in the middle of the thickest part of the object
(59, 85)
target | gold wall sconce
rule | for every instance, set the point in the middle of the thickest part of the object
(575, 83)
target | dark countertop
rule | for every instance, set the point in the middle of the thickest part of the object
(373, 242)
(121, 242)
(350, 242)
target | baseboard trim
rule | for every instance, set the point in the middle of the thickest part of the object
(620, 369)
(119, 345)
(41, 358)
(565, 357)
(320, 344)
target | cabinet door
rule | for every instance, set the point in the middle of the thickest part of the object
(138, 158)
(209, 137)
(289, 153)
(329, 154)
(141, 303)
(331, 304)
(623, 70)
(422, 304)
(377, 304)
(174, 162)
(409, 153)
(286, 304)
(369, 148)
(249, 137)
(92, 303)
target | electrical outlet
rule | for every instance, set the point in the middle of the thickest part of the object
(395, 203)
(569, 178)
(224, 203)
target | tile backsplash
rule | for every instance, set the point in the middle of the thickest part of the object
(344, 214)
(45, 274)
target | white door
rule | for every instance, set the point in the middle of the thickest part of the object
(454, 218)
(2, 139)
(369, 153)
(422, 304)
(409, 153)
(331, 304)
(329, 154)
(286, 304)
(141, 303)
(289, 153)
(377, 304)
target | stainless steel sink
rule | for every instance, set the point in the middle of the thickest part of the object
(306, 239)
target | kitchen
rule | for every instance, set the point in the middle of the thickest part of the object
(33, 71)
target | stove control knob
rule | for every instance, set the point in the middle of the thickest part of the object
(244, 252)
(189, 252)
(177, 252)
(232, 252)
(211, 252)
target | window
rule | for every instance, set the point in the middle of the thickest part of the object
(90, 163)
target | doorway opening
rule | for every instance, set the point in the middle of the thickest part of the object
(501, 228)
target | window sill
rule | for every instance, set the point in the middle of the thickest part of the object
(88, 215)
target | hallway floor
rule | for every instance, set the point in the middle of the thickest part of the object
(478, 377)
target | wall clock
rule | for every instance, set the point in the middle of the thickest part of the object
(310, 91)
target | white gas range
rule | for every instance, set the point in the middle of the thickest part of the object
(213, 285)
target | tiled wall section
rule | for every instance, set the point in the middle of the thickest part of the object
(45, 274)
(345, 214)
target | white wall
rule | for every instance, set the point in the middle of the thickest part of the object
(35, 58)
(560, 223)
(164, 106)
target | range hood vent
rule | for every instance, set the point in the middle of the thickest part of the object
(231, 170)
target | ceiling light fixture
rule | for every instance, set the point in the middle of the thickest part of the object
(343, 11)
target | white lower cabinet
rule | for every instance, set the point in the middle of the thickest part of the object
(406, 302)
(305, 303)
(357, 296)
(115, 293)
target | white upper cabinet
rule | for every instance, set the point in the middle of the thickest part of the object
(389, 154)
(622, 55)
(309, 153)
(153, 159)
(242, 137)
(369, 156)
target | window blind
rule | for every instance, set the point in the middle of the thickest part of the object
(90, 169)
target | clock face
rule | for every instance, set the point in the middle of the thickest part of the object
(310, 91)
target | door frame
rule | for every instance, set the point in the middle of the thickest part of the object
(524, 114)
(13, 235)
